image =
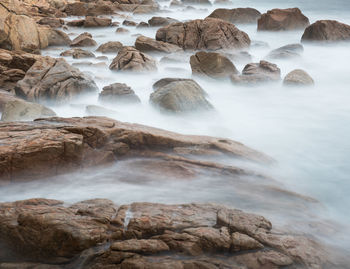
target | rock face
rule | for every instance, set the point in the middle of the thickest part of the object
(298, 77)
(286, 52)
(54, 80)
(140, 234)
(236, 15)
(146, 44)
(118, 93)
(210, 34)
(327, 30)
(91, 21)
(83, 40)
(131, 59)
(161, 21)
(180, 96)
(110, 47)
(283, 19)
(212, 64)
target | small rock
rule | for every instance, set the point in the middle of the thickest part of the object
(236, 15)
(118, 93)
(76, 23)
(110, 47)
(286, 52)
(298, 77)
(91, 21)
(146, 44)
(161, 21)
(121, 30)
(129, 23)
(83, 40)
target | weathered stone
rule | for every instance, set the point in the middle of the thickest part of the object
(149, 246)
(236, 15)
(110, 47)
(327, 30)
(129, 23)
(77, 53)
(52, 22)
(121, 30)
(91, 21)
(58, 38)
(286, 52)
(147, 44)
(118, 93)
(76, 23)
(83, 40)
(161, 21)
(298, 77)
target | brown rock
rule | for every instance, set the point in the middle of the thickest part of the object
(200, 2)
(83, 40)
(129, 23)
(91, 21)
(149, 246)
(78, 53)
(161, 21)
(121, 30)
(147, 44)
(236, 15)
(118, 93)
(52, 22)
(298, 77)
(142, 25)
(110, 47)
(286, 52)
(76, 9)
(283, 19)
(58, 38)
(326, 30)
(76, 23)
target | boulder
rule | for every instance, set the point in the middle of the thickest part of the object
(327, 30)
(286, 52)
(145, 9)
(164, 81)
(76, 23)
(131, 59)
(142, 25)
(77, 53)
(236, 15)
(83, 40)
(180, 96)
(52, 22)
(282, 19)
(129, 23)
(58, 38)
(212, 64)
(118, 93)
(110, 47)
(54, 80)
(121, 30)
(161, 21)
(298, 77)
(147, 44)
(91, 21)
(76, 9)
(210, 34)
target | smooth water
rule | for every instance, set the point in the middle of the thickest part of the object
(305, 129)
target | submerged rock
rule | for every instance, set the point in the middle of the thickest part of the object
(236, 15)
(286, 52)
(298, 77)
(118, 93)
(327, 30)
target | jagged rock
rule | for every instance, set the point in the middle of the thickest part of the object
(131, 59)
(161, 21)
(52, 22)
(78, 53)
(298, 77)
(236, 15)
(286, 52)
(91, 21)
(147, 44)
(212, 64)
(210, 34)
(283, 19)
(110, 47)
(83, 40)
(327, 30)
(118, 93)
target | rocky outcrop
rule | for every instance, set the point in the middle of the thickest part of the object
(54, 80)
(327, 30)
(283, 19)
(149, 235)
(212, 64)
(131, 59)
(236, 15)
(147, 44)
(161, 21)
(110, 47)
(83, 40)
(286, 52)
(118, 93)
(91, 21)
(210, 34)
(298, 77)
(180, 96)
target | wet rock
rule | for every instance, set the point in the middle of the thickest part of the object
(180, 96)
(21, 110)
(118, 93)
(52, 22)
(161, 21)
(212, 64)
(54, 80)
(164, 81)
(83, 40)
(236, 15)
(142, 25)
(91, 21)
(78, 53)
(145, 9)
(210, 33)
(129, 23)
(110, 47)
(76, 23)
(121, 30)
(286, 52)
(58, 38)
(327, 30)
(131, 59)
(298, 77)
(76, 9)
(283, 19)
(146, 44)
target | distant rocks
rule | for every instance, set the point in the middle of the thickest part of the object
(91, 21)
(286, 52)
(52, 22)
(236, 15)
(146, 44)
(110, 47)
(327, 30)
(198, 2)
(77, 53)
(83, 40)
(129, 23)
(118, 93)
(283, 19)
(298, 77)
(161, 21)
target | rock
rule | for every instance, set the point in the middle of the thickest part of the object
(131, 59)
(118, 93)
(298, 77)
(180, 96)
(121, 30)
(91, 21)
(176, 3)
(78, 53)
(149, 246)
(200, 2)
(161, 21)
(327, 30)
(257, 73)
(142, 25)
(145, 9)
(6, 97)
(52, 22)
(212, 64)
(165, 81)
(210, 34)
(54, 80)
(129, 23)
(93, 110)
(286, 52)
(83, 40)
(146, 44)
(282, 19)
(76, 23)
(20, 110)
(58, 38)
(110, 47)
(236, 15)
(76, 9)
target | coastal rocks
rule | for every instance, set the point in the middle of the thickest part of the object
(212, 64)
(118, 93)
(78, 53)
(258, 72)
(57, 38)
(161, 21)
(83, 40)
(286, 52)
(196, 2)
(283, 19)
(298, 77)
(236, 15)
(327, 30)
(91, 21)
(131, 59)
(180, 96)
(53, 80)
(129, 23)
(147, 44)
(110, 47)
(76, 23)
(210, 34)
(52, 22)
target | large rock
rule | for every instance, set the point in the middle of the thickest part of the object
(161, 21)
(52, 22)
(110, 47)
(180, 96)
(286, 52)
(283, 19)
(327, 30)
(236, 15)
(77, 53)
(83, 40)
(147, 44)
(54, 80)
(57, 38)
(118, 93)
(91, 21)
(131, 59)
(212, 64)
(210, 34)
(298, 77)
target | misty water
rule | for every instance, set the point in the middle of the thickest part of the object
(306, 130)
